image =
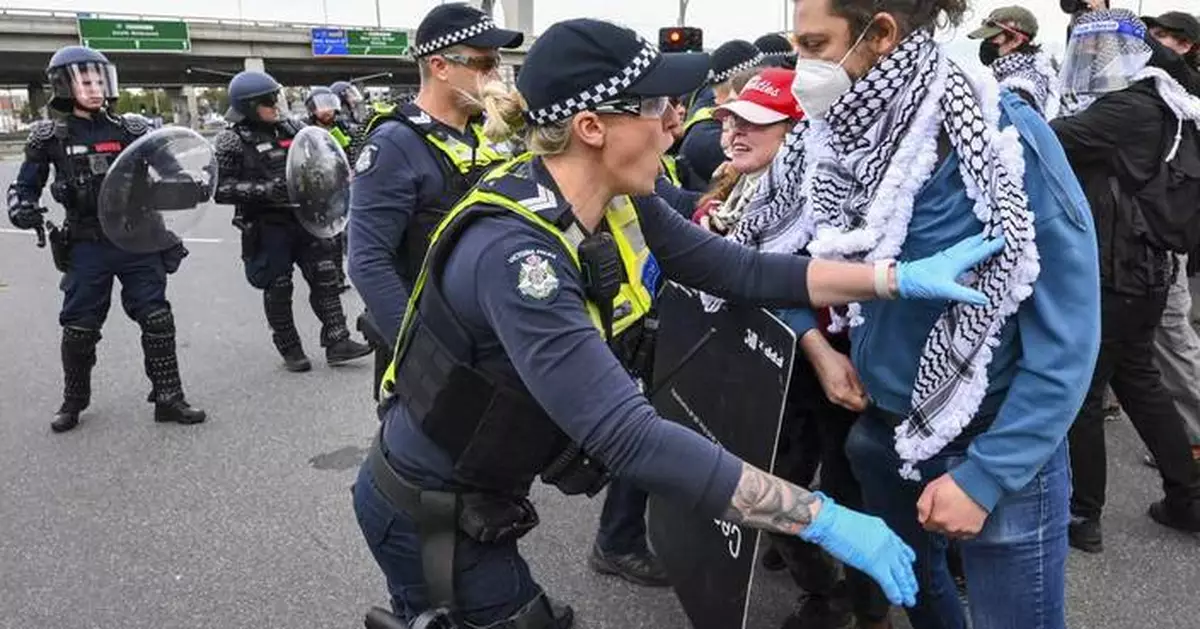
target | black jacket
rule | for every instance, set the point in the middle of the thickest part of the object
(1116, 147)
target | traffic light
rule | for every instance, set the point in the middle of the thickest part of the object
(680, 39)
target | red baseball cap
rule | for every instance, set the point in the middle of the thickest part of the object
(766, 99)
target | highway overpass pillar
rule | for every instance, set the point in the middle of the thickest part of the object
(38, 98)
(518, 14)
(184, 106)
(255, 64)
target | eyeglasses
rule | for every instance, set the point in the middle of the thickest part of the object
(267, 100)
(648, 107)
(483, 64)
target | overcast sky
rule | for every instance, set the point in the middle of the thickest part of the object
(721, 19)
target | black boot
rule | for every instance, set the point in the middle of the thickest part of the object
(78, 358)
(162, 368)
(277, 303)
(345, 351)
(325, 298)
(1085, 534)
(639, 568)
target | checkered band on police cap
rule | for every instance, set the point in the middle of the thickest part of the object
(603, 91)
(456, 37)
(756, 61)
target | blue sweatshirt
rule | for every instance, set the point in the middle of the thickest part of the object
(1043, 365)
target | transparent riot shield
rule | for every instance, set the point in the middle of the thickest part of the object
(155, 190)
(318, 180)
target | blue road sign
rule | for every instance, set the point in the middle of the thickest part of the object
(330, 41)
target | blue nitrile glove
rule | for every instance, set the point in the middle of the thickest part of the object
(935, 277)
(867, 544)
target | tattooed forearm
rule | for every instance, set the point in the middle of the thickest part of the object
(769, 503)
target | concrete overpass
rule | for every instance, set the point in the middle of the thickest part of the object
(219, 48)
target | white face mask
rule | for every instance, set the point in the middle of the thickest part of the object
(819, 83)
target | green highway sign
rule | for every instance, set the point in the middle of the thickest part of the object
(376, 43)
(134, 35)
(340, 42)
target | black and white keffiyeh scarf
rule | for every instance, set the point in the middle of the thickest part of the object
(1033, 74)
(843, 188)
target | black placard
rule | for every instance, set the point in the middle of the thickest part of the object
(731, 387)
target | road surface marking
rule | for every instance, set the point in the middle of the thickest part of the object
(29, 232)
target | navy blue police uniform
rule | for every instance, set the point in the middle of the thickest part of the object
(410, 171)
(700, 146)
(503, 371)
(342, 131)
(252, 163)
(80, 148)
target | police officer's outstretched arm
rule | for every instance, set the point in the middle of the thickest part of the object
(528, 291)
(695, 257)
(25, 192)
(234, 185)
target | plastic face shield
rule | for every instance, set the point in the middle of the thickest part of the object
(324, 104)
(1103, 56)
(84, 82)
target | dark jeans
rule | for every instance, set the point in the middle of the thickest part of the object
(623, 520)
(1128, 326)
(1015, 567)
(814, 436)
(491, 581)
(87, 285)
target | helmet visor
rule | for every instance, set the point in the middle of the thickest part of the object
(324, 103)
(352, 96)
(88, 83)
(1103, 56)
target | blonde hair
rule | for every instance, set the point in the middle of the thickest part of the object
(506, 120)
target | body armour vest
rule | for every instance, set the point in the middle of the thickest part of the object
(461, 164)
(481, 413)
(80, 163)
(265, 152)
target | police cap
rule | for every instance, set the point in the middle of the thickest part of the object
(578, 64)
(458, 23)
(733, 57)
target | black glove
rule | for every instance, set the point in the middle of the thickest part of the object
(26, 215)
(173, 257)
(277, 191)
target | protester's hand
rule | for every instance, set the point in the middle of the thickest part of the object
(936, 277)
(837, 374)
(944, 508)
(703, 210)
(865, 543)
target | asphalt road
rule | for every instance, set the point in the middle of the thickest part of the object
(245, 521)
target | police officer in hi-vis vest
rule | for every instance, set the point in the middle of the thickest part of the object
(506, 367)
(417, 160)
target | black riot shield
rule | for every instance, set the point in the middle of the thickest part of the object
(155, 190)
(726, 377)
(318, 180)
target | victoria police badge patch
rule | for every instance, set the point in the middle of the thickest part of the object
(536, 278)
(366, 159)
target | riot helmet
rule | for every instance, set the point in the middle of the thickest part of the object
(1106, 52)
(248, 91)
(353, 103)
(80, 76)
(322, 104)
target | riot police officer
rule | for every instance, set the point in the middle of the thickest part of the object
(418, 160)
(81, 144)
(353, 109)
(324, 110)
(252, 158)
(504, 371)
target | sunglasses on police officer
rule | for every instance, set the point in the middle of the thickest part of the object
(484, 64)
(641, 106)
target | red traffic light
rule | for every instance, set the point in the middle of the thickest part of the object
(680, 39)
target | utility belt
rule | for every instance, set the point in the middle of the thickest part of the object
(440, 516)
(63, 239)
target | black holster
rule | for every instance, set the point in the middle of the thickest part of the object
(60, 247)
(250, 236)
(573, 472)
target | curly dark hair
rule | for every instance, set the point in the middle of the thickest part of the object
(912, 15)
